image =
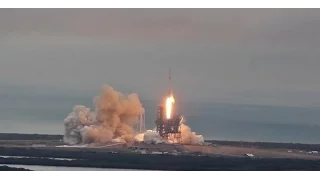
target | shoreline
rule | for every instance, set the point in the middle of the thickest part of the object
(61, 168)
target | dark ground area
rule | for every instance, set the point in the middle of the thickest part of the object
(101, 158)
(268, 145)
(6, 168)
(16, 136)
(271, 145)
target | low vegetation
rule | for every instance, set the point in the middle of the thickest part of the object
(16, 136)
(153, 162)
(100, 158)
(268, 145)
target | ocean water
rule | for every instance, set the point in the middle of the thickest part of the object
(60, 168)
(212, 120)
(23, 157)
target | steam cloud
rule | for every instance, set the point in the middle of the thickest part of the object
(187, 137)
(112, 120)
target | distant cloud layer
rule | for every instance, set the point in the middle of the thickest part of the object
(214, 53)
(223, 25)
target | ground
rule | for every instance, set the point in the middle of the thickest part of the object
(257, 152)
(221, 155)
(214, 148)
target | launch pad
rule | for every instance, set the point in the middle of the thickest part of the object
(169, 129)
(168, 124)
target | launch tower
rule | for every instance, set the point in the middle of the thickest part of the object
(169, 128)
(140, 126)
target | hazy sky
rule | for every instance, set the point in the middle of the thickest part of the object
(261, 56)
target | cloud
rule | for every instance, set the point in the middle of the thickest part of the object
(165, 25)
(234, 49)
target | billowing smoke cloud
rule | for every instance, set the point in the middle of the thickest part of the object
(187, 137)
(112, 120)
(149, 137)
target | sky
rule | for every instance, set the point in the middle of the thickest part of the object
(258, 56)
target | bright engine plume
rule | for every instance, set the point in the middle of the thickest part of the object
(170, 128)
(169, 105)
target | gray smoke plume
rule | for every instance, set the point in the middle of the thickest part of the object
(112, 120)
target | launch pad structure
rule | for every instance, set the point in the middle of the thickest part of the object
(140, 126)
(169, 129)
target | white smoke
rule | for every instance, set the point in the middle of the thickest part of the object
(187, 137)
(149, 137)
(139, 138)
(152, 137)
(112, 120)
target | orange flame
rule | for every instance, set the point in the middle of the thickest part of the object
(169, 104)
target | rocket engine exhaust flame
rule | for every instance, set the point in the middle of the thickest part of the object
(169, 105)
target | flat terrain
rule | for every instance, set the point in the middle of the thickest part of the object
(222, 155)
(257, 152)
(267, 145)
(216, 148)
(25, 143)
(88, 157)
(221, 150)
